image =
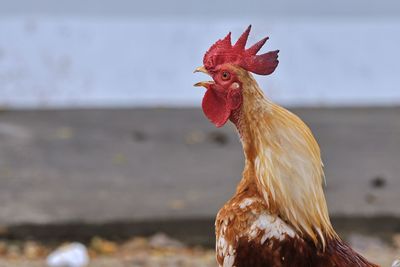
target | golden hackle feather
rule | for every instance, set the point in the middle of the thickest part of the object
(286, 160)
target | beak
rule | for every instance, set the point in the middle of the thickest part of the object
(201, 69)
(203, 84)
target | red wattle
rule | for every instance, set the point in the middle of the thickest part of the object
(215, 107)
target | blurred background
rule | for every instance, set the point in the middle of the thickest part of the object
(102, 139)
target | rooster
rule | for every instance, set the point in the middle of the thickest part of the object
(279, 215)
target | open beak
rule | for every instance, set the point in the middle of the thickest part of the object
(201, 69)
(205, 84)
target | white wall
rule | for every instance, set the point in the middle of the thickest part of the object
(127, 55)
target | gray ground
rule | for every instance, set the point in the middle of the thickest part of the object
(109, 165)
(147, 170)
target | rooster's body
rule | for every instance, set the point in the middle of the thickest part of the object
(278, 216)
(249, 235)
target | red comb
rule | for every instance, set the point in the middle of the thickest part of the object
(223, 52)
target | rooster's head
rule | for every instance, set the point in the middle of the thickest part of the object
(225, 63)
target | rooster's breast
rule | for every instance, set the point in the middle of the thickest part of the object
(247, 235)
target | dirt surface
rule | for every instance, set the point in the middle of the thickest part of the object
(144, 164)
(162, 251)
(123, 172)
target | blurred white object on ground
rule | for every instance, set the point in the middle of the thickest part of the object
(71, 255)
(396, 263)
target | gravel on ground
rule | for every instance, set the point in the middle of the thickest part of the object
(163, 251)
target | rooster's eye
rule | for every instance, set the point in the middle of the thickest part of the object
(225, 75)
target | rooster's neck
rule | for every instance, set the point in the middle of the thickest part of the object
(282, 162)
(247, 118)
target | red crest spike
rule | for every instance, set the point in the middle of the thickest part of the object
(241, 42)
(223, 52)
(256, 47)
(227, 39)
(264, 64)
